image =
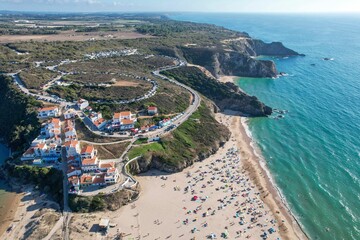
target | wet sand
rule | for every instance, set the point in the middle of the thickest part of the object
(9, 204)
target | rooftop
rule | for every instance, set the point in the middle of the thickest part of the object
(107, 165)
(87, 149)
(127, 121)
(122, 114)
(47, 109)
(152, 108)
(89, 161)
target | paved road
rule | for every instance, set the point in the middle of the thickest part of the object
(47, 98)
(159, 132)
(188, 112)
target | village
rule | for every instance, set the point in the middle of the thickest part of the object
(86, 173)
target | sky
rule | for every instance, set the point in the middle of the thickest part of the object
(269, 6)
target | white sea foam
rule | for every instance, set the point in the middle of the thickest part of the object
(263, 165)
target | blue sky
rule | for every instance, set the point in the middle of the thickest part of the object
(183, 5)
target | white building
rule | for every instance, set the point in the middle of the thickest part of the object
(124, 120)
(88, 152)
(73, 171)
(152, 111)
(72, 148)
(90, 164)
(82, 104)
(70, 133)
(52, 128)
(70, 114)
(48, 112)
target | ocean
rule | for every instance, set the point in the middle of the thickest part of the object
(313, 153)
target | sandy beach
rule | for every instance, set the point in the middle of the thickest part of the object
(228, 194)
(225, 79)
(8, 210)
(21, 214)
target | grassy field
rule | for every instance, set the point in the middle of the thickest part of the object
(34, 78)
(112, 151)
(189, 141)
(110, 78)
(149, 148)
(94, 93)
(169, 99)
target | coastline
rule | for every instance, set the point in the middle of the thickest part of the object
(276, 197)
(262, 177)
(159, 211)
(251, 161)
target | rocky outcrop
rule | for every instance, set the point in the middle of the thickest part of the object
(220, 62)
(247, 106)
(238, 64)
(270, 49)
(256, 47)
(227, 96)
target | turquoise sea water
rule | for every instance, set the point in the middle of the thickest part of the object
(314, 152)
(4, 153)
(4, 194)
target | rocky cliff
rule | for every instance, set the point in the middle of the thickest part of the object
(238, 64)
(221, 62)
(226, 96)
(236, 57)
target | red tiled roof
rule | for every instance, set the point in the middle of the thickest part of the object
(86, 179)
(89, 161)
(29, 151)
(41, 145)
(71, 143)
(47, 109)
(127, 121)
(99, 179)
(87, 149)
(99, 121)
(152, 108)
(122, 114)
(107, 165)
(73, 179)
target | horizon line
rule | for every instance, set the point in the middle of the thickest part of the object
(166, 12)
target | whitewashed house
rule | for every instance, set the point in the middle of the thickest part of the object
(90, 164)
(47, 112)
(70, 114)
(72, 148)
(88, 152)
(152, 111)
(82, 104)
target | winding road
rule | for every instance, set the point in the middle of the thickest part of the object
(194, 105)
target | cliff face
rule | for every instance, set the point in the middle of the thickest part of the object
(226, 96)
(270, 49)
(237, 57)
(237, 64)
(220, 62)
